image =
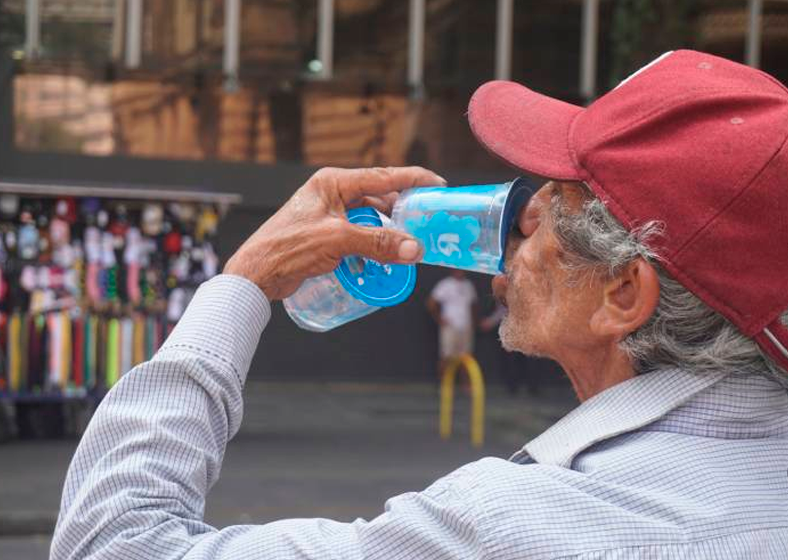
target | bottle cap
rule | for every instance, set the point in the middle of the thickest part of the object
(380, 285)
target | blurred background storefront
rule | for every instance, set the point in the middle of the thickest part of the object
(251, 96)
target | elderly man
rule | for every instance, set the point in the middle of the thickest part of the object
(653, 268)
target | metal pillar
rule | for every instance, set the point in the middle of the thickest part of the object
(325, 38)
(588, 56)
(416, 45)
(754, 29)
(32, 28)
(232, 43)
(133, 33)
(503, 40)
(118, 21)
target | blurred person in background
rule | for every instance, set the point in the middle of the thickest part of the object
(453, 306)
(652, 267)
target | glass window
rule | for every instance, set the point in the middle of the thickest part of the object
(277, 40)
(459, 45)
(546, 47)
(78, 30)
(371, 42)
(12, 27)
(182, 34)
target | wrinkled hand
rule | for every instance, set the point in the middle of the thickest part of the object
(310, 234)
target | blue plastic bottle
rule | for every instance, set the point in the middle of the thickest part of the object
(355, 289)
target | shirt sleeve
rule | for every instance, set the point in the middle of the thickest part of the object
(137, 484)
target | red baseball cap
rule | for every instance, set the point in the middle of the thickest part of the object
(691, 140)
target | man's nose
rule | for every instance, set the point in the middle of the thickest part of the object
(499, 285)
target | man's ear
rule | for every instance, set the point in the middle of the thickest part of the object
(628, 300)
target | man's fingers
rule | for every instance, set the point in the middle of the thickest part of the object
(380, 244)
(354, 184)
(383, 203)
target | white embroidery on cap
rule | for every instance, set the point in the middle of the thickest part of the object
(737, 120)
(647, 66)
(705, 66)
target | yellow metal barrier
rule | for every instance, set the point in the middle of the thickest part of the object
(474, 372)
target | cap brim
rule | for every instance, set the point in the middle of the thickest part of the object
(526, 129)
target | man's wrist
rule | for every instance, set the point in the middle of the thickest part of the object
(224, 320)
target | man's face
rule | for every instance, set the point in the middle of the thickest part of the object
(549, 306)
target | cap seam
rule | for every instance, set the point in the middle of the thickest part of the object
(738, 195)
(711, 220)
(672, 102)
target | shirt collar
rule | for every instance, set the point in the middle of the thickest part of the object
(622, 408)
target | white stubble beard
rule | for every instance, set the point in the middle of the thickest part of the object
(514, 333)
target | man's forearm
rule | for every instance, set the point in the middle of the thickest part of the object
(155, 445)
(137, 485)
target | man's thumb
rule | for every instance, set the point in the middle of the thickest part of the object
(382, 244)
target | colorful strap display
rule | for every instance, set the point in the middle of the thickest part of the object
(139, 340)
(65, 348)
(112, 357)
(14, 369)
(126, 345)
(77, 368)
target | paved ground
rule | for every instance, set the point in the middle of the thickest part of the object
(333, 451)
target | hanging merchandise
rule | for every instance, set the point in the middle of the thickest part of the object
(152, 219)
(126, 345)
(119, 224)
(59, 232)
(90, 287)
(150, 337)
(66, 209)
(132, 258)
(109, 267)
(100, 369)
(138, 353)
(64, 321)
(53, 350)
(112, 342)
(172, 242)
(3, 361)
(9, 206)
(24, 353)
(13, 352)
(91, 351)
(93, 258)
(176, 305)
(207, 223)
(44, 240)
(210, 261)
(3, 264)
(38, 342)
(28, 238)
(78, 353)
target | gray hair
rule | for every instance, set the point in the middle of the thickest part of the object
(683, 331)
